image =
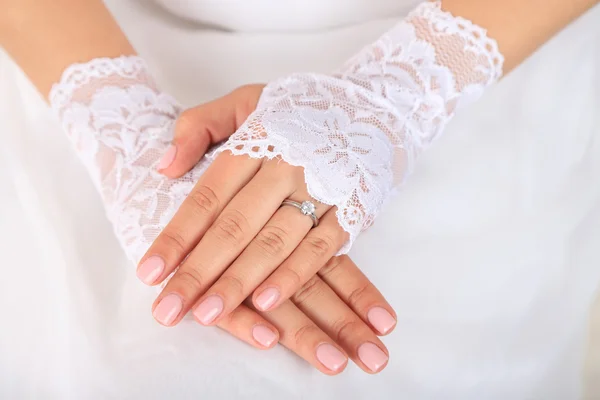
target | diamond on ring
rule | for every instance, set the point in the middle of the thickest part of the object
(307, 208)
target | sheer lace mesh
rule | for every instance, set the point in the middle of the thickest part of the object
(121, 125)
(358, 131)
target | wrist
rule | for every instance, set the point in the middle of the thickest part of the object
(44, 37)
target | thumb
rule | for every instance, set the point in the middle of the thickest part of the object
(200, 127)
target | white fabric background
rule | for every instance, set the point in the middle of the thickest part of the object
(489, 255)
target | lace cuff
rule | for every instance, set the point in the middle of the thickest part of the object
(358, 131)
(120, 124)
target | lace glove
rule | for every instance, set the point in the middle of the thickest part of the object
(120, 125)
(357, 132)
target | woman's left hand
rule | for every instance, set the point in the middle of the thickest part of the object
(232, 238)
(237, 237)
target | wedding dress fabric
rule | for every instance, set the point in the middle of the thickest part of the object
(487, 254)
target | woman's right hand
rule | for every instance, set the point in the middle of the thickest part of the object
(328, 320)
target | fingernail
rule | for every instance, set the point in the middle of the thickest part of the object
(330, 357)
(267, 298)
(151, 269)
(168, 157)
(168, 309)
(209, 309)
(263, 335)
(381, 319)
(372, 356)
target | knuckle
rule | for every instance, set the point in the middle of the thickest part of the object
(358, 294)
(272, 240)
(236, 322)
(204, 200)
(308, 290)
(231, 227)
(340, 236)
(172, 239)
(345, 328)
(227, 322)
(190, 280)
(186, 121)
(304, 334)
(294, 277)
(318, 246)
(233, 285)
(249, 88)
(333, 267)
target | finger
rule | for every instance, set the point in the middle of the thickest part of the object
(269, 248)
(200, 127)
(320, 303)
(319, 245)
(231, 232)
(248, 326)
(215, 188)
(355, 289)
(299, 334)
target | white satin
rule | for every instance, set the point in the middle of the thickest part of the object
(489, 255)
(284, 15)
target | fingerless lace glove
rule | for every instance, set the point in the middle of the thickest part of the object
(121, 125)
(357, 132)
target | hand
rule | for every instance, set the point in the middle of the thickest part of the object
(201, 127)
(325, 321)
(224, 116)
(230, 235)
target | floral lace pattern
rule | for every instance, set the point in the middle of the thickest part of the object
(358, 131)
(121, 125)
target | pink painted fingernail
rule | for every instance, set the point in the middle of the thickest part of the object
(381, 319)
(209, 309)
(151, 269)
(330, 357)
(168, 158)
(267, 298)
(264, 335)
(168, 309)
(372, 356)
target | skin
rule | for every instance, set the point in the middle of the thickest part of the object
(234, 240)
(519, 26)
(230, 226)
(44, 40)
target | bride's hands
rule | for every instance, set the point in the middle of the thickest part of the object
(200, 127)
(342, 303)
(231, 234)
(324, 322)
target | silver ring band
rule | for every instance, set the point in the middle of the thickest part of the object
(307, 208)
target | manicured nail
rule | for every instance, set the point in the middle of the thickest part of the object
(264, 335)
(168, 309)
(209, 309)
(151, 269)
(381, 319)
(372, 356)
(267, 298)
(330, 357)
(168, 158)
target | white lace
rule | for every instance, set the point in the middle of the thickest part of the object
(121, 126)
(358, 131)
